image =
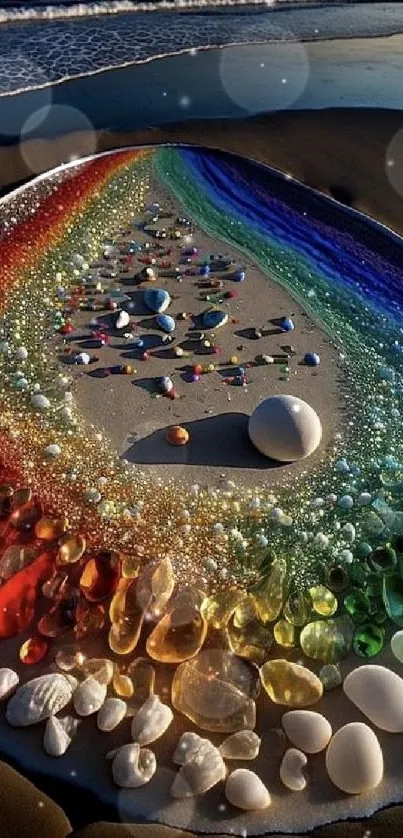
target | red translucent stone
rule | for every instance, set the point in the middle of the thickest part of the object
(33, 650)
(19, 593)
(100, 576)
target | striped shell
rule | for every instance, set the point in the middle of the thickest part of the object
(38, 699)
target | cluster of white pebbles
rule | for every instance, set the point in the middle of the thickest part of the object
(354, 759)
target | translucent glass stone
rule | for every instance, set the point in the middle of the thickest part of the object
(69, 657)
(50, 529)
(216, 690)
(21, 497)
(297, 608)
(155, 585)
(368, 640)
(268, 594)
(71, 549)
(130, 567)
(251, 640)
(90, 619)
(392, 595)
(100, 576)
(218, 609)
(102, 669)
(14, 558)
(61, 618)
(122, 685)
(358, 605)
(330, 676)
(25, 517)
(181, 632)
(33, 650)
(324, 601)
(126, 617)
(327, 640)
(382, 560)
(284, 634)
(290, 684)
(142, 675)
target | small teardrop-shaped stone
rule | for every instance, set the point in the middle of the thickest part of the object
(290, 684)
(126, 617)
(307, 730)
(33, 650)
(268, 594)
(111, 714)
(327, 640)
(151, 721)
(155, 585)
(89, 697)
(181, 633)
(218, 609)
(245, 790)
(100, 576)
(243, 745)
(330, 676)
(69, 657)
(71, 549)
(142, 675)
(297, 608)
(59, 734)
(216, 690)
(122, 685)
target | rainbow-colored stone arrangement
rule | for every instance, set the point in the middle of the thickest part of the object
(88, 544)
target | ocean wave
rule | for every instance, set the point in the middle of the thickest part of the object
(37, 11)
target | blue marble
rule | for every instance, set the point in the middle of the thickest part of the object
(166, 322)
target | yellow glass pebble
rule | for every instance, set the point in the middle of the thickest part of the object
(155, 586)
(71, 549)
(130, 567)
(142, 676)
(324, 601)
(327, 640)
(101, 669)
(126, 618)
(218, 609)
(181, 632)
(284, 634)
(252, 641)
(297, 608)
(268, 594)
(49, 529)
(122, 685)
(290, 684)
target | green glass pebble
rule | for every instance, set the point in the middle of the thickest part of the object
(330, 676)
(324, 601)
(392, 595)
(297, 609)
(382, 560)
(327, 640)
(337, 578)
(368, 640)
(373, 585)
(358, 605)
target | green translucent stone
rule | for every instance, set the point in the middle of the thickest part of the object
(330, 676)
(368, 640)
(392, 595)
(324, 601)
(337, 578)
(382, 560)
(327, 640)
(297, 608)
(373, 585)
(284, 634)
(358, 605)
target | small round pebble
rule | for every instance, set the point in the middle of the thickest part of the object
(177, 436)
(245, 790)
(312, 359)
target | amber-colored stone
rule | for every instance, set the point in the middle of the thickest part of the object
(245, 612)
(26, 516)
(290, 684)
(50, 529)
(268, 594)
(100, 576)
(102, 669)
(142, 675)
(63, 616)
(155, 586)
(71, 549)
(126, 617)
(177, 436)
(69, 657)
(217, 691)
(21, 497)
(122, 685)
(33, 650)
(284, 634)
(130, 567)
(53, 587)
(217, 610)
(14, 559)
(180, 634)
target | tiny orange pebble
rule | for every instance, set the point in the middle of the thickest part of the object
(177, 435)
(198, 369)
(33, 650)
(127, 369)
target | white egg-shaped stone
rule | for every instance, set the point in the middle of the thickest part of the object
(111, 714)
(245, 790)
(378, 693)
(89, 697)
(354, 760)
(307, 730)
(285, 428)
